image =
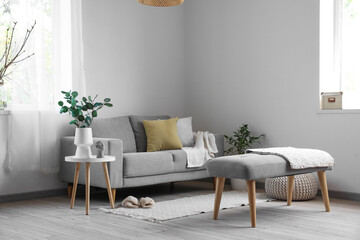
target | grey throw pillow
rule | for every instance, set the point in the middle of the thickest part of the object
(185, 132)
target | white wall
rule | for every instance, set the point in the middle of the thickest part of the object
(134, 54)
(256, 62)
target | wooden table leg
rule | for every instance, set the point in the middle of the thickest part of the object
(290, 187)
(218, 194)
(113, 192)
(87, 188)
(74, 187)
(69, 188)
(106, 173)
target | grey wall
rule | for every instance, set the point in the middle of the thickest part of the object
(256, 62)
(135, 55)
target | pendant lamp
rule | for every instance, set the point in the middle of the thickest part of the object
(161, 3)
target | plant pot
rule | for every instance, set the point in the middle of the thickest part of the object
(238, 184)
(83, 141)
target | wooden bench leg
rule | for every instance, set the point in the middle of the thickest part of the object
(218, 194)
(251, 188)
(290, 187)
(324, 189)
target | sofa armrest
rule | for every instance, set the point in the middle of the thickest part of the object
(113, 147)
(219, 139)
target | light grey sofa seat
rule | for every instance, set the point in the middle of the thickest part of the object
(147, 164)
(125, 138)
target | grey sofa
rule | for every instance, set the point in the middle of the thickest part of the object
(125, 138)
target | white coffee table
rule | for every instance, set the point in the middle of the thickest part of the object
(87, 161)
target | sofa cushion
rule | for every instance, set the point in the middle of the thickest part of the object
(139, 131)
(117, 127)
(147, 164)
(180, 161)
(185, 131)
(162, 135)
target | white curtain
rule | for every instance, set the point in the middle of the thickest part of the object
(35, 123)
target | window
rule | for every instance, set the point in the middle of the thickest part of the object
(340, 49)
(36, 72)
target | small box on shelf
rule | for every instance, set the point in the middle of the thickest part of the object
(331, 100)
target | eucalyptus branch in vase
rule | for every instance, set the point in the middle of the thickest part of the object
(13, 53)
(83, 111)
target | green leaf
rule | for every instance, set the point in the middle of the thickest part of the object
(76, 113)
(68, 101)
(94, 114)
(89, 98)
(89, 105)
(107, 100)
(84, 108)
(73, 103)
(84, 99)
(88, 120)
(108, 104)
(97, 104)
(67, 94)
(73, 122)
(64, 109)
(81, 118)
(74, 94)
(60, 103)
(63, 92)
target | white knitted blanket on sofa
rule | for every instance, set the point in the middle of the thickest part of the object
(299, 158)
(203, 150)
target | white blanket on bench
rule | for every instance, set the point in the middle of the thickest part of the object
(204, 149)
(299, 158)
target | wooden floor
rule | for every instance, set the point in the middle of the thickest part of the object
(51, 218)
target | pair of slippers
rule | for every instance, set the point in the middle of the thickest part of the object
(133, 202)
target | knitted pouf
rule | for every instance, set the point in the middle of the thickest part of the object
(305, 187)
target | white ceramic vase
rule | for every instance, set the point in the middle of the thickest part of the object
(83, 141)
(238, 184)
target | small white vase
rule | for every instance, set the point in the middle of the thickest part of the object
(238, 184)
(83, 141)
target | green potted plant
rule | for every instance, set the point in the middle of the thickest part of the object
(83, 111)
(239, 142)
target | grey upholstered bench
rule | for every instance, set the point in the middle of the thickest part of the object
(252, 167)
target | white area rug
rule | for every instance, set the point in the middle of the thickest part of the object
(187, 206)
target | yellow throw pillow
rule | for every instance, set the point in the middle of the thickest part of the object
(162, 135)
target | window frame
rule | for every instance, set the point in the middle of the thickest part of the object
(336, 55)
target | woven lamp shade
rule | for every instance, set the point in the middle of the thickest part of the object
(161, 3)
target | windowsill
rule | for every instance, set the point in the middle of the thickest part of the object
(339, 111)
(4, 112)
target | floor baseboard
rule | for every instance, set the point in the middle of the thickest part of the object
(58, 192)
(343, 195)
(32, 195)
(332, 194)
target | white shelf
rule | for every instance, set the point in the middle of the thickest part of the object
(4, 112)
(339, 111)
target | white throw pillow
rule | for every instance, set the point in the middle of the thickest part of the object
(185, 132)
